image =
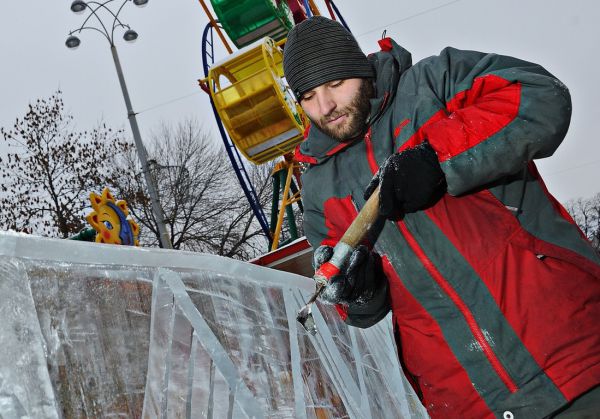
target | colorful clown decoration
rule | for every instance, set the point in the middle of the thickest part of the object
(109, 219)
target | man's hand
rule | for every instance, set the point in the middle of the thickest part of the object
(357, 283)
(409, 181)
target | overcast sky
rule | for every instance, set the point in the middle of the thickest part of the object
(162, 67)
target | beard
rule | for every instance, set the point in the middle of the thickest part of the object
(357, 111)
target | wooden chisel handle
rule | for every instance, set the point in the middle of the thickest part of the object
(353, 236)
(363, 221)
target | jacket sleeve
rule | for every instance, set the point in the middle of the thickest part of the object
(491, 114)
(321, 227)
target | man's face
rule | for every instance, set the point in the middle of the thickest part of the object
(339, 108)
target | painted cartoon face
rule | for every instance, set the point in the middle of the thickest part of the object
(109, 219)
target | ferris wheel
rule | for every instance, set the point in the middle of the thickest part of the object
(256, 113)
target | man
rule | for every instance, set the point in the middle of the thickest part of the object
(493, 289)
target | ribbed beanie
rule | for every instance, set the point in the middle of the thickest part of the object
(319, 50)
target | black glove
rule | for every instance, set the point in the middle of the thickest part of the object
(358, 282)
(410, 181)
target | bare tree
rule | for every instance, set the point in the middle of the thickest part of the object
(582, 212)
(205, 208)
(51, 168)
(586, 213)
(595, 233)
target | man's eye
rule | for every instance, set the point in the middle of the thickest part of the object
(336, 83)
(306, 97)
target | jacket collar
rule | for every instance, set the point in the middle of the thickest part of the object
(389, 64)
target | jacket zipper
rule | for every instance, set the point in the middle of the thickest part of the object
(460, 304)
(447, 288)
(370, 155)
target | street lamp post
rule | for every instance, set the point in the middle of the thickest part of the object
(79, 6)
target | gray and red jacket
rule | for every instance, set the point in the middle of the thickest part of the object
(494, 291)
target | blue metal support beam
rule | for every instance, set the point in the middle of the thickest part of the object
(208, 58)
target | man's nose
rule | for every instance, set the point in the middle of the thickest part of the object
(326, 103)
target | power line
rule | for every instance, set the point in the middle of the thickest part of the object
(362, 34)
(572, 168)
(170, 101)
(437, 8)
(404, 19)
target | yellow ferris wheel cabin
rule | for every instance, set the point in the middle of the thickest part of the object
(254, 102)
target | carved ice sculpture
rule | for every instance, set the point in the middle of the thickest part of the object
(93, 330)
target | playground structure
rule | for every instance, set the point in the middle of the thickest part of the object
(109, 219)
(255, 111)
(110, 222)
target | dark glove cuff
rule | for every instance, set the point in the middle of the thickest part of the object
(368, 313)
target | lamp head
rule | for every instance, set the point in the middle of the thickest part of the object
(78, 6)
(130, 35)
(72, 42)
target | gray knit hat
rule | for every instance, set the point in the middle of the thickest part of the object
(319, 50)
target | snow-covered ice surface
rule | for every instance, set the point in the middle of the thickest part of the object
(92, 330)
